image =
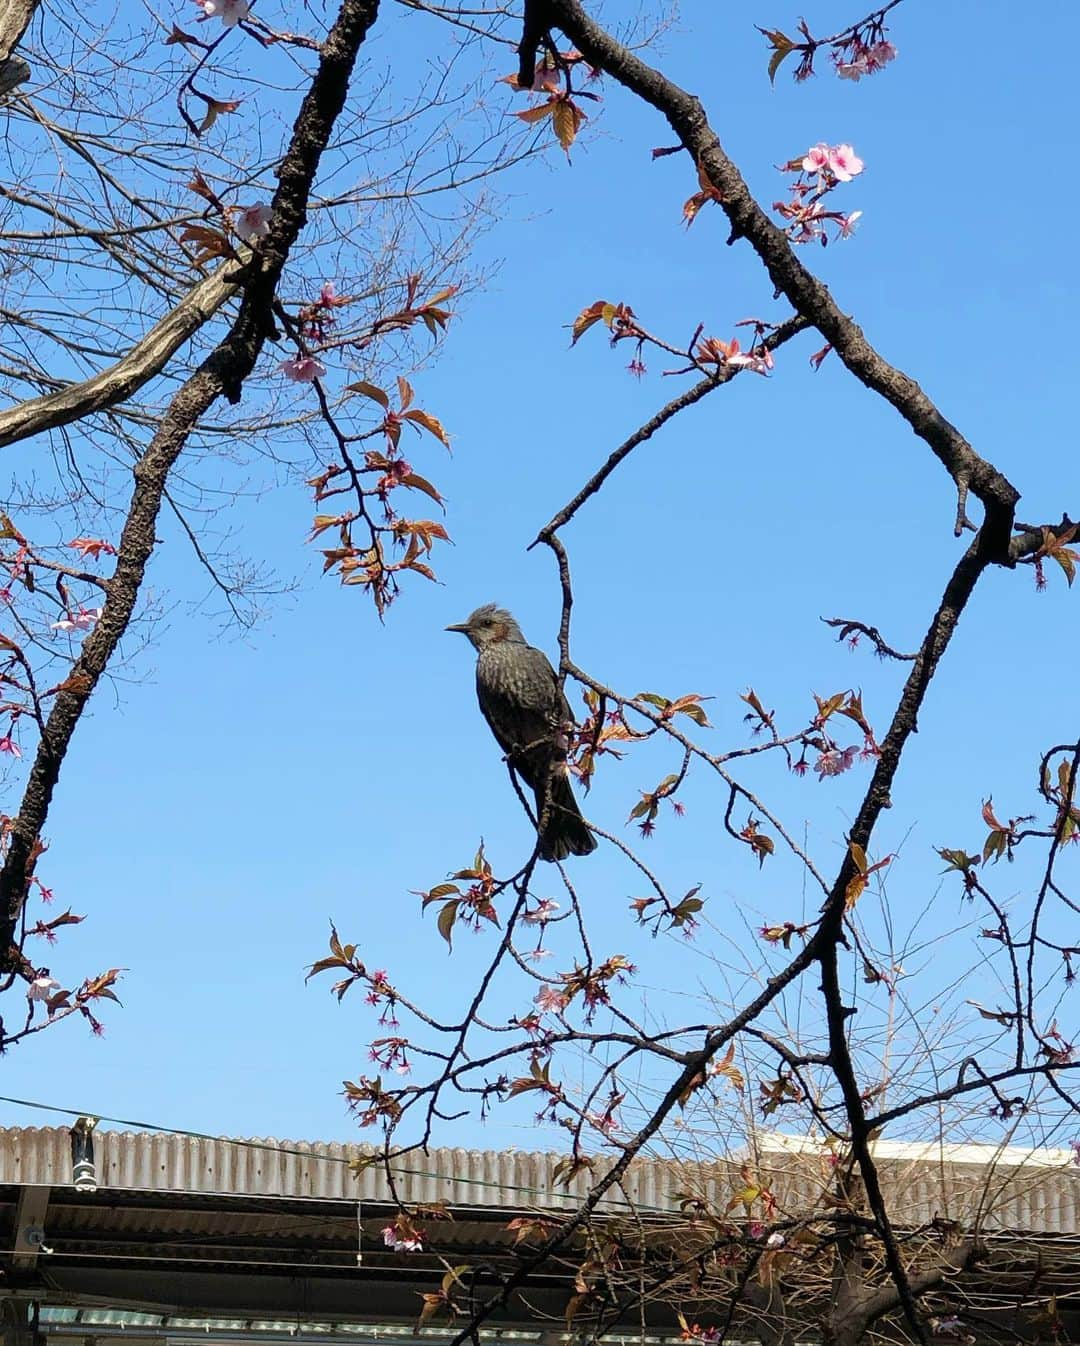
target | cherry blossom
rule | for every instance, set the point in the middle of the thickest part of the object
(847, 223)
(303, 369)
(253, 222)
(840, 161)
(230, 12)
(542, 912)
(8, 745)
(42, 988)
(547, 998)
(864, 60)
(77, 621)
(394, 1240)
(844, 163)
(820, 170)
(853, 69)
(834, 762)
(604, 1122)
(880, 54)
(816, 158)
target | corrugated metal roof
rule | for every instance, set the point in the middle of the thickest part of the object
(1037, 1191)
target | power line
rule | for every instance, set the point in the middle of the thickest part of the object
(542, 1194)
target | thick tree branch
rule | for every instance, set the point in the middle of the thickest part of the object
(15, 16)
(857, 1309)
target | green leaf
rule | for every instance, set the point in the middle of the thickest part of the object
(956, 859)
(995, 846)
(1066, 559)
(782, 46)
(441, 890)
(447, 917)
(660, 702)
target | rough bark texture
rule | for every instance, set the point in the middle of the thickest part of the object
(15, 16)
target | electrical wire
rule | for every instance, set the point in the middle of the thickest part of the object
(542, 1194)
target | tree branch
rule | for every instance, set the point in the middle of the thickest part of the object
(120, 381)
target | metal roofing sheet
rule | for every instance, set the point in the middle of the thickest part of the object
(1040, 1195)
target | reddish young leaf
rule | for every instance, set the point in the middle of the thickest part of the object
(418, 483)
(430, 423)
(370, 390)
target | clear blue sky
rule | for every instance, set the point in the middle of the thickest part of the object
(213, 820)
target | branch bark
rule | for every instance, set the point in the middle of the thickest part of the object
(120, 381)
(15, 16)
(857, 1314)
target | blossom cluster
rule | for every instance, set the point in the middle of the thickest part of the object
(819, 171)
(863, 59)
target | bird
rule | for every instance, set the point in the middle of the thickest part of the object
(527, 711)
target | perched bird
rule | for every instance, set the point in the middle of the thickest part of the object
(530, 717)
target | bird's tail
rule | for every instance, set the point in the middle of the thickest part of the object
(564, 832)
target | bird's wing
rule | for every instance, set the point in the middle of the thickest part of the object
(520, 698)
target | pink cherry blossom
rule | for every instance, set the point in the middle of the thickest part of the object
(603, 1122)
(844, 162)
(881, 53)
(542, 912)
(77, 621)
(230, 12)
(393, 1239)
(8, 745)
(834, 762)
(847, 223)
(854, 69)
(253, 222)
(303, 369)
(816, 158)
(548, 998)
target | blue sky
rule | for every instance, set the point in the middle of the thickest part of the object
(213, 818)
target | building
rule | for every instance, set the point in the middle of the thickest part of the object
(158, 1239)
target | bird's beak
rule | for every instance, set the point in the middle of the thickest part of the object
(459, 626)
